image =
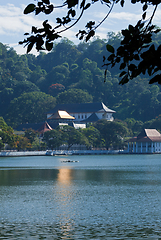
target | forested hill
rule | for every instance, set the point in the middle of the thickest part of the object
(30, 85)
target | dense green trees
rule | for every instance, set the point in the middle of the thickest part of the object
(6, 134)
(103, 134)
(30, 134)
(53, 139)
(74, 96)
(113, 133)
(55, 89)
(100, 135)
(64, 135)
(81, 79)
(9, 140)
(26, 95)
(30, 107)
(94, 137)
(72, 136)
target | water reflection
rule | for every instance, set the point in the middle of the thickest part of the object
(64, 176)
(26, 176)
(81, 203)
(64, 200)
(96, 231)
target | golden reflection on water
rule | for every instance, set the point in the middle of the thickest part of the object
(65, 176)
(64, 196)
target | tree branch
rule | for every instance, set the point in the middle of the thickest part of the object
(105, 16)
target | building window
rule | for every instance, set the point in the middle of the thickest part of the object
(78, 116)
(82, 116)
(85, 116)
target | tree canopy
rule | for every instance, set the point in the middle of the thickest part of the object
(83, 82)
(36, 104)
(136, 54)
(111, 132)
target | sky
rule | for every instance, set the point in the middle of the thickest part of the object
(13, 23)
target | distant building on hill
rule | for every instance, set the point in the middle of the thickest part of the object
(84, 112)
(75, 115)
(61, 115)
(148, 141)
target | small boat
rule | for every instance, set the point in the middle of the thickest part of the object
(68, 160)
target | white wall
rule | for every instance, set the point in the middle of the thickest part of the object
(82, 116)
(157, 147)
(107, 116)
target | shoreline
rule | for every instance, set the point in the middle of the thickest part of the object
(59, 152)
(83, 152)
(22, 154)
(65, 153)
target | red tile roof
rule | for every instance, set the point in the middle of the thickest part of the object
(44, 128)
(147, 135)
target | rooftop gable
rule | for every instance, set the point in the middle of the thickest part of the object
(44, 128)
(92, 118)
(61, 115)
(147, 135)
(81, 108)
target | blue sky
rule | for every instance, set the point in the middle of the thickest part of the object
(13, 23)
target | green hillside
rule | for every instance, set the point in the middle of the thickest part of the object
(31, 85)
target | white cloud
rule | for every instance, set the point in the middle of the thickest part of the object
(13, 21)
(129, 14)
(115, 16)
(125, 16)
(120, 18)
(20, 49)
(157, 17)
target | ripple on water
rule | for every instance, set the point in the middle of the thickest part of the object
(67, 231)
(119, 201)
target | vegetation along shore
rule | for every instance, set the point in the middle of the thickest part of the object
(33, 85)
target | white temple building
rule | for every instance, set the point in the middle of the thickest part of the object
(84, 112)
(148, 141)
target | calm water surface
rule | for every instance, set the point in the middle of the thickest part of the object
(99, 197)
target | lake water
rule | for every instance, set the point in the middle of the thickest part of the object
(99, 197)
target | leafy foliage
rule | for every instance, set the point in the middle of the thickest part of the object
(82, 77)
(30, 134)
(56, 88)
(64, 135)
(53, 139)
(9, 139)
(136, 55)
(93, 136)
(112, 132)
(43, 37)
(74, 95)
(132, 50)
(103, 134)
(71, 136)
(34, 102)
